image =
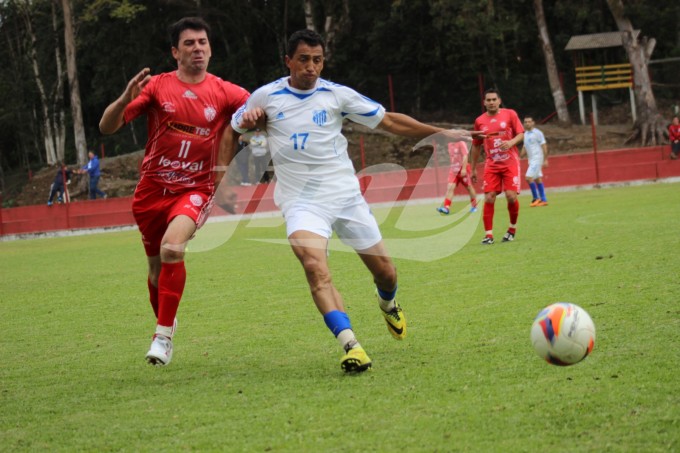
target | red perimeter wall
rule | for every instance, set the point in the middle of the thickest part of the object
(566, 170)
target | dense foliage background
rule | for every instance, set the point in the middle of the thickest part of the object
(437, 53)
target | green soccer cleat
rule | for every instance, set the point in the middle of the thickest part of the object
(355, 361)
(396, 321)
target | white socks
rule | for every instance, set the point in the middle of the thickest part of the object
(347, 340)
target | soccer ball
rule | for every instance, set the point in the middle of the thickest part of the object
(563, 334)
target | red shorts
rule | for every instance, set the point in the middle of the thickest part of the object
(457, 178)
(500, 179)
(154, 207)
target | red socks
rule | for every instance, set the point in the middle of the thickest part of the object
(488, 216)
(513, 209)
(170, 289)
(153, 297)
(447, 203)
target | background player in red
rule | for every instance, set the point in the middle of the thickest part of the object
(459, 173)
(501, 132)
(674, 137)
(187, 113)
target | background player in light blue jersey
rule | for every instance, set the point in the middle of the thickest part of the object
(536, 149)
(317, 189)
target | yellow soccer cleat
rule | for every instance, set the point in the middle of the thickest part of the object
(355, 361)
(396, 321)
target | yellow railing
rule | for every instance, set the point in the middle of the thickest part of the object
(591, 78)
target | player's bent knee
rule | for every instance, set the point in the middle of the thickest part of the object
(172, 252)
(385, 276)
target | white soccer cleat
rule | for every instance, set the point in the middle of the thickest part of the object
(160, 353)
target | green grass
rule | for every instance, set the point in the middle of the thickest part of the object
(255, 369)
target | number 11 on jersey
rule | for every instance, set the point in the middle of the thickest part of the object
(184, 149)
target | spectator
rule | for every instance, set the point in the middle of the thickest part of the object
(62, 178)
(92, 169)
(243, 160)
(258, 144)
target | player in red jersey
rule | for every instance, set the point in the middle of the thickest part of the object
(459, 173)
(674, 137)
(187, 113)
(501, 132)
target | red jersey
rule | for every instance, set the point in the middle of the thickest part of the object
(457, 153)
(185, 123)
(503, 126)
(674, 132)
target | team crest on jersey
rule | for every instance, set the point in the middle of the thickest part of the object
(280, 116)
(319, 117)
(196, 200)
(503, 124)
(168, 107)
(210, 113)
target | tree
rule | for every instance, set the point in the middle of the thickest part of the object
(72, 70)
(650, 126)
(52, 119)
(551, 65)
(334, 22)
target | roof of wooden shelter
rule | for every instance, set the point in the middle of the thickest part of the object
(597, 40)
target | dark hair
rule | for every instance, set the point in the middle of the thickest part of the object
(528, 117)
(492, 90)
(311, 38)
(190, 23)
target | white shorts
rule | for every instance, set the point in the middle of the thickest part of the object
(535, 169)
(351, 220)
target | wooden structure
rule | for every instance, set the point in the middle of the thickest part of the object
(597, 61)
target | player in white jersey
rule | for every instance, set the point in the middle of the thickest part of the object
(316, 187)
(535, 148)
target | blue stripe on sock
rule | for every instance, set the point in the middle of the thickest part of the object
(387, 295)
(337, 321)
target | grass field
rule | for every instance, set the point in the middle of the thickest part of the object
(255, 369)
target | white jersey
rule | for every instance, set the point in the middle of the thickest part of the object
(533, 141)
(305, 140)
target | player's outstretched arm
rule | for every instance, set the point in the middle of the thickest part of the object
(113, 119)
(404, 125)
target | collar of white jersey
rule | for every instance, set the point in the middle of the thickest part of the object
(301, 94)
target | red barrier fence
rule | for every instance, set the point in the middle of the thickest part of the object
(564, 170)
